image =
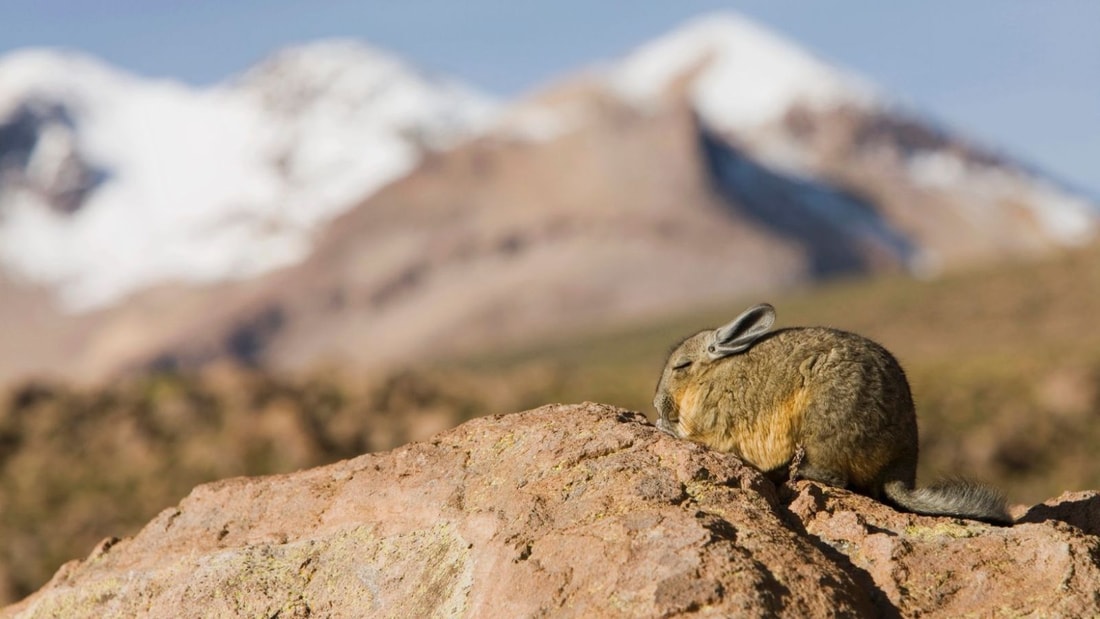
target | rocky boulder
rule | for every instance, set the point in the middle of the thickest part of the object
(571, 510)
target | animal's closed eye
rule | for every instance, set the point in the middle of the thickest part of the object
(683, 363)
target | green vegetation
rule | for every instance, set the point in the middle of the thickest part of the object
(1004, 362)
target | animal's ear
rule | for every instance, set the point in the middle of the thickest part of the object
(740, 334)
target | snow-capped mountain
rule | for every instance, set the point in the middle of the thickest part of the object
(716, 162)
(799, 116)
(110, 182)
(413, 216)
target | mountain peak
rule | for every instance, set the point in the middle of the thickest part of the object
(50, 61)
(54, 75)
(344, 50)
(327, 61)
(360, 84)
(748, 74)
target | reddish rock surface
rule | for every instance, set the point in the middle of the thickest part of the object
(579, 510)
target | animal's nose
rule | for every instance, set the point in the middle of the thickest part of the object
(664, 426)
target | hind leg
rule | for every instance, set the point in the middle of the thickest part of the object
(804, 466)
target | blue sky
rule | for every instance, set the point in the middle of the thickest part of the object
(1020, 75)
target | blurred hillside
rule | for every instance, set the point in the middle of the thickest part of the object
(1005, 366)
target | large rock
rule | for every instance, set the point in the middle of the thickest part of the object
(579, 510)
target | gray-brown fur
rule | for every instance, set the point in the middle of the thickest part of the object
(840, 398)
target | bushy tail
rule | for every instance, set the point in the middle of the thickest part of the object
(961, 498)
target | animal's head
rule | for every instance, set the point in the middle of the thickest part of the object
(693, 361)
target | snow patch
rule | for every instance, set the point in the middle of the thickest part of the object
(1065, 217)
(747, 76)
(218, 183)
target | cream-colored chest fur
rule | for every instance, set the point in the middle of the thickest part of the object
(766, 437)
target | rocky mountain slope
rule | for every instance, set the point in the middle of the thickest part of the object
(714, 162)
(577, 510)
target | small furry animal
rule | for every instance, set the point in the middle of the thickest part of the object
(833, 406)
